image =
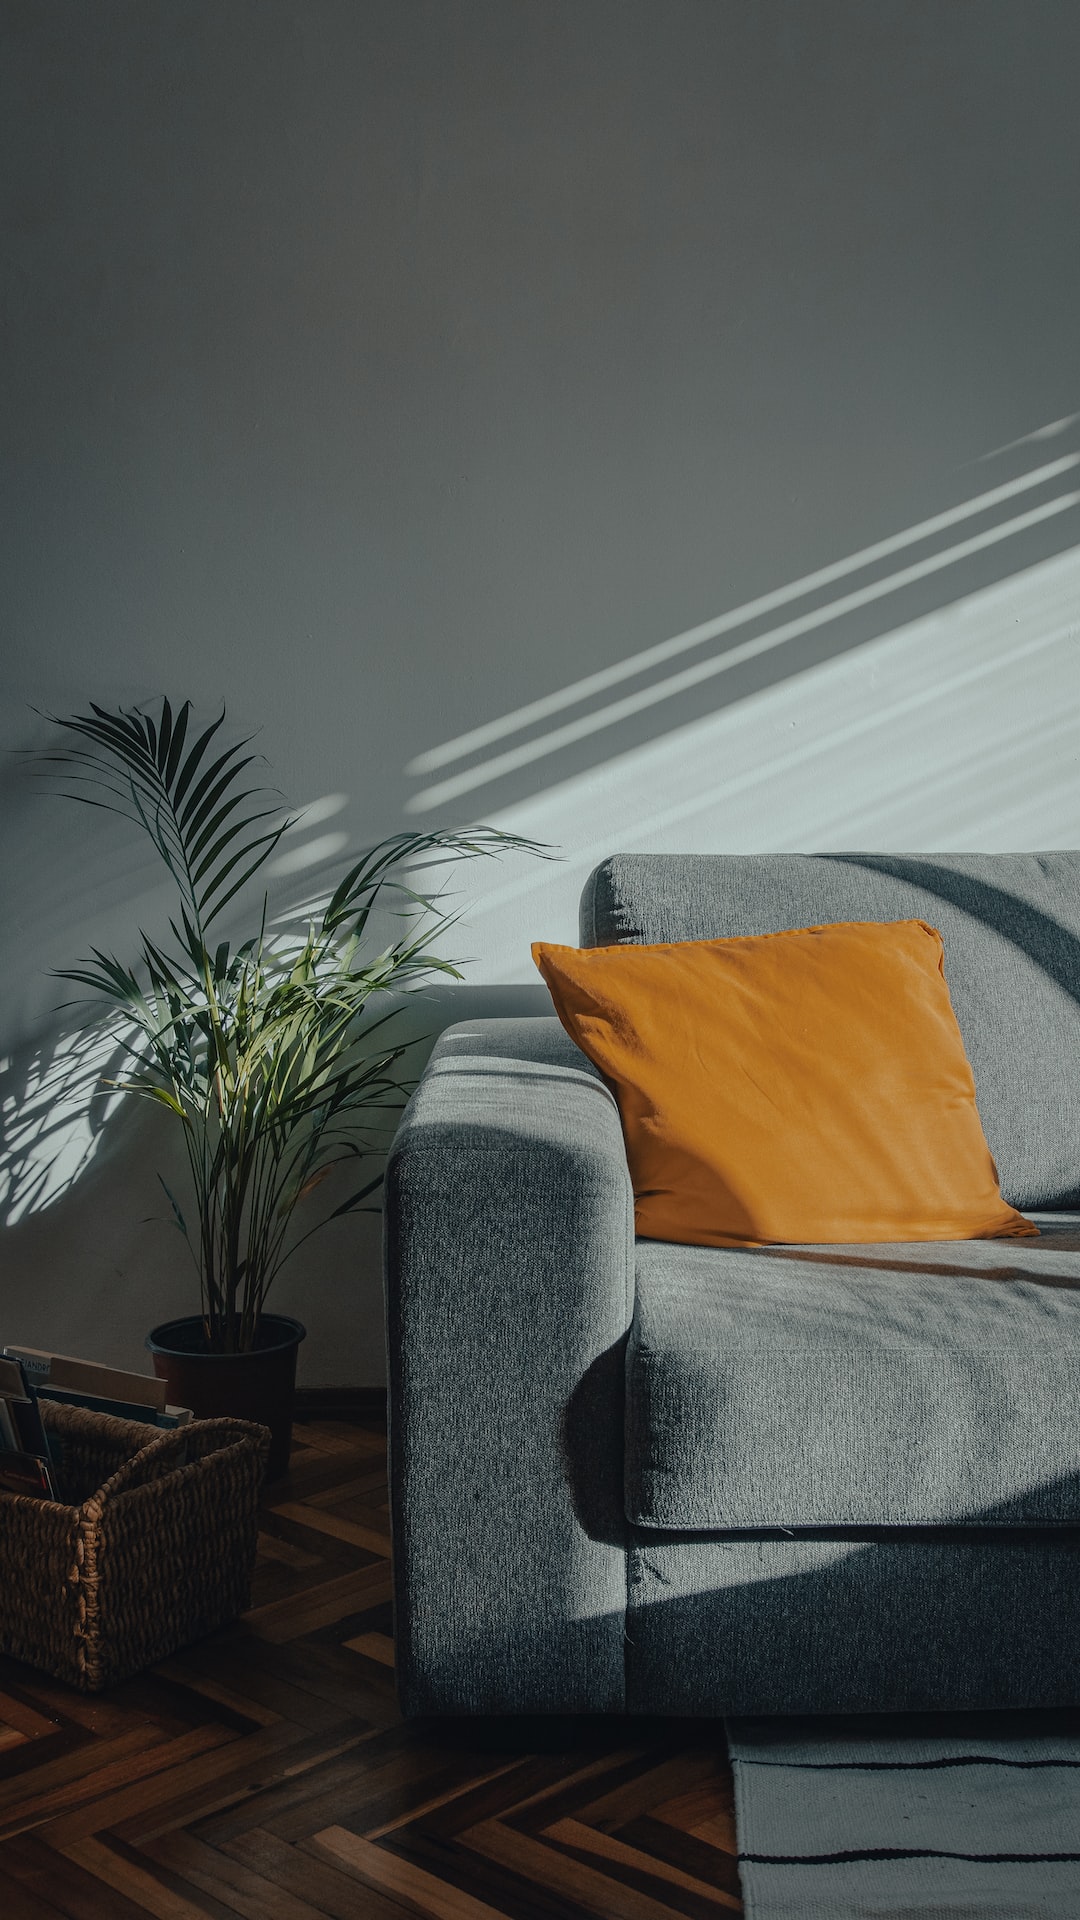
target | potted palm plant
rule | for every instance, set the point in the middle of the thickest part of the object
(278, 1056)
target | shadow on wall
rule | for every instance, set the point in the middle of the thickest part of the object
(62, 1080)
(55, 1106)
(91, 1250)
(866, 720)
(59, 1111)
(954, 728)
(992, 533)
(1054, 949)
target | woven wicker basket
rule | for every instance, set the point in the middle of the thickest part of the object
(155, 1548)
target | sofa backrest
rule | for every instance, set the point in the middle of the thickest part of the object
(1011, 927)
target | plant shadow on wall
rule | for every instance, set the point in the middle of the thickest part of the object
(278, 1057)
(57, 1100)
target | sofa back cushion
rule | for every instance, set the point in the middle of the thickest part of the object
(1011, 928)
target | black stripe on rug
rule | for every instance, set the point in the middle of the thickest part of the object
(906, 1766)
(893, 1853)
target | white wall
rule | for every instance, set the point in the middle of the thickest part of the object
(394, 372)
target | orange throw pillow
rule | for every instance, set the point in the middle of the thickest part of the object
(788, 1087)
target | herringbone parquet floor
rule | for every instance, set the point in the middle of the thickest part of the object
(267, 1773)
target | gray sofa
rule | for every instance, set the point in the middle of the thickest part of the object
(662, 1479)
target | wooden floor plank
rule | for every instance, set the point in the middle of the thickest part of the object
(322, 1605)
(19, 1764)
(422, 1810)
(373, 1481)
(585, 1886)
(18, 1716)
(707, 1810)
(318, 1520)
(79, 1895)
(257, 1680)
(322, 1666)
(282, 1804)
(298, 1558)
(197, 1680)
(334, 1893)
(330, 1437)
(716, 1864)
(299, 1760)
(577, 1778)
(75, 1763)
(418, 1889)
(146, 1754)
(146, 1890)
(20, 1904)
(266, 1774)
(580, 1838)
(375, 1795)
(240, 1886)
(650, 1784)
(210, 1754)
(374, 1646)
(103, 1714)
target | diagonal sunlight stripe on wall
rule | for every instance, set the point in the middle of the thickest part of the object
(703, 670)
(828, 745)
(579, 690)
(882, 745)
(1049, 432)
(976, 820)
(825, 746)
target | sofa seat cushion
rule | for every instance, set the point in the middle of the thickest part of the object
(926, 1384)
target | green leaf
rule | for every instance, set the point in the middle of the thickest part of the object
(228, 838)
(268, 843)
(164, 740)
(203, 794)
(269, 1054)
(194, 759)
(166, 1099)
(176, 746)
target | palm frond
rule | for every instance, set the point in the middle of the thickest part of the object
(181, 799)
(280, 1057)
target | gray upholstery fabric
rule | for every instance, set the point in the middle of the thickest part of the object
(1011, 927)
(923, 1384)
(808, 1387)
(509, 1267)
(852, 1626)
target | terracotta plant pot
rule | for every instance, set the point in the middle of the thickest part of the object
(259, 1385)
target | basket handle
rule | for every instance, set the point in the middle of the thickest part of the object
(178, 1448)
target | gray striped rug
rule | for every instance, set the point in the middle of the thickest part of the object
(923, 1817)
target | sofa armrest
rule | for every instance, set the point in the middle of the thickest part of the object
(509, 1272)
